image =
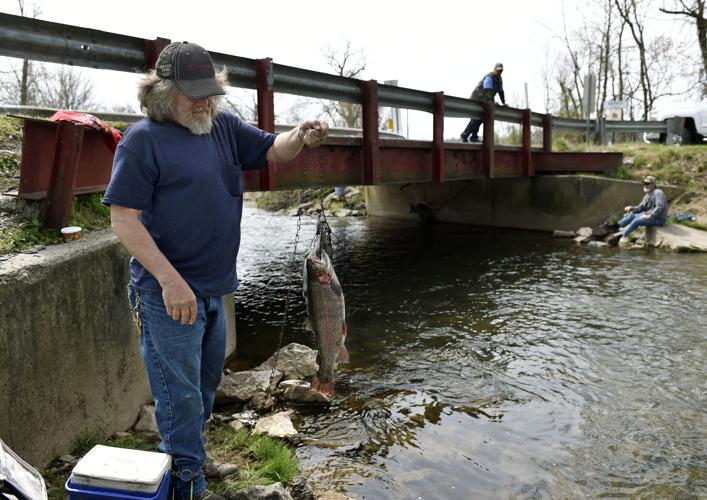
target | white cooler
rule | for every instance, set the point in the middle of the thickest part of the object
(121, 469)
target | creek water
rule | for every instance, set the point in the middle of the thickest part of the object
(492, 364)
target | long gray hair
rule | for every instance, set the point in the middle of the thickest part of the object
(157, 95)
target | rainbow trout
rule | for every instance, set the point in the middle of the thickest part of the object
(326, 315)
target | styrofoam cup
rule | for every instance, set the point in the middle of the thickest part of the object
(71, 233)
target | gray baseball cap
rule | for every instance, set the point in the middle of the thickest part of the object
(190, 66)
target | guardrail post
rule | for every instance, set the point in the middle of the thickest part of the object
(371, 148)
(488, 145)
(547, 133)
(438, 137)
(266, 115)
(60, 195)
(603, 136)
(527, 165)
(152, 50)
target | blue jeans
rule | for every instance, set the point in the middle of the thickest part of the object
(184, 364)
(633, 220)
(472, 129)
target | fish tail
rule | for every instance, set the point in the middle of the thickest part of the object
(326, 388)
(343, 355)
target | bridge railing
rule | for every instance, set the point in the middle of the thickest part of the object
(36, 39)
(413, 161)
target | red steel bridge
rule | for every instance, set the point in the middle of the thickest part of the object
(61, 159)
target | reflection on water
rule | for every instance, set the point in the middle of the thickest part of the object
(493, 364)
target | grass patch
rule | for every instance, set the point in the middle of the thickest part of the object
(88, 212)
(261, 459)
(682, 166)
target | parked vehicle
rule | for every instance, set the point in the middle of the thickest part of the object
(689, 125)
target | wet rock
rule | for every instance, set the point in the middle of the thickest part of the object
(332, 495)
(240, 387)
(68, 459)
(297, 391)
(563, 234)
(300, 489)
(272, 492)
(584, 234)
(597, 244)
(247, 418)
(344, 212)
(294, 361)
(261, 402)
(276, 425)
(146, 420)
(677, 238)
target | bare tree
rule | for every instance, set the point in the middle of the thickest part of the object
(351, 64)
(34, 84)
(695, 11)
(634, 18)
(65, 88)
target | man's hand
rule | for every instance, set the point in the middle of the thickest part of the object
(628, 208)
(646, 216)
(179, 300)
(313, 133)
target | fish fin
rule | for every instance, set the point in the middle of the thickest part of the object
(308, 325)
(326, 388)
(343, 355)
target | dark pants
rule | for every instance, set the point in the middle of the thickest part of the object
(472, 130)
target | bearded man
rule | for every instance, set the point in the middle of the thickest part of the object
(176, 198)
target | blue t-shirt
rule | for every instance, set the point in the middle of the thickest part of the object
(190, 190)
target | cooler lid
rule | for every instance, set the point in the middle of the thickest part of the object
(122, 466)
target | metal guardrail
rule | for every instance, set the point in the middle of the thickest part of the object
(28, 38)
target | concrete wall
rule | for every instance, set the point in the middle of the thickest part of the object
(70, 358)
(541, 203)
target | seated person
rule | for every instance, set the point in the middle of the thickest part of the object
(652, 211)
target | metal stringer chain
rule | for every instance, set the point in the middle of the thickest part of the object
(283, 324)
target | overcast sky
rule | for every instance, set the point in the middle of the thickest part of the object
(433, 46)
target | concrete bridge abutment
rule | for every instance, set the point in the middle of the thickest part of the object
(70, 361)
(543, 203)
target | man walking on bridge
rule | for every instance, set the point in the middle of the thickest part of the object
(485, 91)
(176, 198)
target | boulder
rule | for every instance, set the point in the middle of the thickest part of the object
(558, 233)
(272, 492)
(294, 361)
(240, 387)
(276, 425)
(584, 234)
(677, 238)
(297, 391)
(300, 489)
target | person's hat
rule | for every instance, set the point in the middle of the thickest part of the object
(649, 179)
(498, 66)
(190, 66)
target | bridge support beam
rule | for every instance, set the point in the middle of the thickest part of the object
(438, 137)
(547, 133)
(371, 146)
(266, 115)
(527, 165)
(152, 51)
(57, 208)
(488, 145)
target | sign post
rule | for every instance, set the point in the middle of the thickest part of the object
(589, 98)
